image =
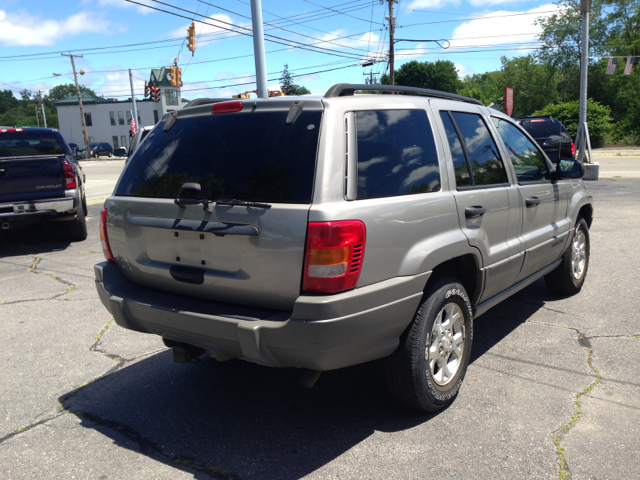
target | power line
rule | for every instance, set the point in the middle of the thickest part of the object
(485, 17)
(331, 9)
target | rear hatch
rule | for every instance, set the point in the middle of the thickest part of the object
(551, 135)
(30, 166)
(250, 254)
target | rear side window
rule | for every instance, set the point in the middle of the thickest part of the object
(460, 166)
(24, 144)
(251, 156)
(396, 153)
(479, 148)
(528, 161)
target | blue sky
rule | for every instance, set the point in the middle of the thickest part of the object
(323, 42)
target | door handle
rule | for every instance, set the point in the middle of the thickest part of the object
(474, 211)
(532, 201)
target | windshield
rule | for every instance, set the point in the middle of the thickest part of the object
(25, 144)
(252, 156)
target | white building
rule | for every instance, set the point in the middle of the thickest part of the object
(109, 120)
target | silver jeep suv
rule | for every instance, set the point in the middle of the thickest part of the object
(326, 231)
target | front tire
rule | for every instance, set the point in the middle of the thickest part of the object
(426, 371)
(569, 277)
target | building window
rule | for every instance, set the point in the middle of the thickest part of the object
(114, 139)
(171, 97)
(112, 117)
(92, 140)
(129, 117)
(121, 118)
(87, 120)
(139, 121)
(123, 141)
(155, 116)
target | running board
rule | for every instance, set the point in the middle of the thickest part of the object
(493, 301)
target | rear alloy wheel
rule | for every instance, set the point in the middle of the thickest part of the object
(569, 277)
(427, 369)
(78, 227)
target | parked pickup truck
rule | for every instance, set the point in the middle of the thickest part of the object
(40, 181)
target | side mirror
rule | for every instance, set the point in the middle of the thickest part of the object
(569, 169)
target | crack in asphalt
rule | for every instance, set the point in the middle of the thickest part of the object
(561, 432)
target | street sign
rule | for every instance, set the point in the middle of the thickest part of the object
(508, 100)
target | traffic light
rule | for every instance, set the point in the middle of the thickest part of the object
(156, 93)
(146, 89)
(191, 36)
(175, 76)
(151, 90)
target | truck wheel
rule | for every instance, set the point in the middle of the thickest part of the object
(426, 370)
(78, 228)
(569, 277)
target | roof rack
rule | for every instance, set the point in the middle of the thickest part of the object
(348, 89)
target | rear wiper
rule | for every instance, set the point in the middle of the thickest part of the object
(222, 201)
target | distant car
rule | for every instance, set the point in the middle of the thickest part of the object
(551, 135)
(101, 148)
(120, 152)
(74, 148)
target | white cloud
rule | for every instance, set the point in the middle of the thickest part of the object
(430, 3)
(368, 41)
(463, 70)
(488, 3)
(509, 28)
(20, 30)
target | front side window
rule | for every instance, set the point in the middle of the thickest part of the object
(120, 118)
(481, 150)
(87, 120)
(527, 160)
(396, 153)
(112, 117)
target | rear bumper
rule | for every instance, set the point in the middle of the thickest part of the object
(24, 211)
(321, 333)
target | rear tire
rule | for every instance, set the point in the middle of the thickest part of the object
(110, 154)
(426, 371)
(569, 276)
(78, 228)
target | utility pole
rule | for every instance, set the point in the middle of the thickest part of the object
(133, 99)
(392, 28)
(44, 117)
(583, 138)
(258, 49)
(37, 118)
(75, 77)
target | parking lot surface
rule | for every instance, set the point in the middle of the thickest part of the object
(553, 389)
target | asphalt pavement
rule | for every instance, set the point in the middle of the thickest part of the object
(552, 391)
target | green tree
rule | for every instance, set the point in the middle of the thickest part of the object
(65, 90)
(439, 75)
(7, 101)
(598, 118)
(288, 86)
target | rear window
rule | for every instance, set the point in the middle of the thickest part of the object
(546, 128)
(24, 144)
(251, 156)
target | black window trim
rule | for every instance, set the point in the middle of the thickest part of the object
(434, 140)
(535, 144)
(466, 155)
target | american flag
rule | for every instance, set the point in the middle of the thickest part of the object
(629, 65)
(611, 66)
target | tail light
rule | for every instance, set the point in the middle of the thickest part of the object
(333, 256)
(104, 239)
(226, 107)
(573, 149)
(69, 175)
